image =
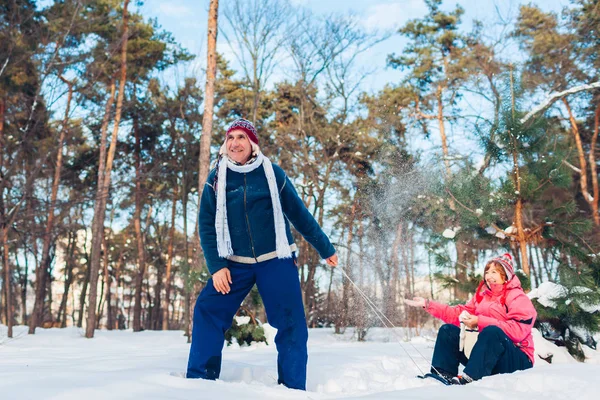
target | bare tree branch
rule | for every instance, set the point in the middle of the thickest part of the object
(4, 66)
(557, 96)
(574, 168)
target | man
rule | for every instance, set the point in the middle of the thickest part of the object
(245, 235)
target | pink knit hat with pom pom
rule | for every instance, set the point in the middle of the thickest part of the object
(506, 261)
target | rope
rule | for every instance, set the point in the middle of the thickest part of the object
(8, 340)
(388, 324)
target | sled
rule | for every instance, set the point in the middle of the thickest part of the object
(436, 377)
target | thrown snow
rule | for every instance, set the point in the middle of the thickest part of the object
(62, 364)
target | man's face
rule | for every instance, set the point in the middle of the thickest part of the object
(239, 148)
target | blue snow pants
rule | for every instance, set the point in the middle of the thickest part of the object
(493, 353)
(279, 286)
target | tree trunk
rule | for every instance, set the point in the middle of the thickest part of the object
(545, 264)
(329, 287)
(329, 313)
(7, 282)
(174, 301)
(17, 283)
(2, 210)
(24, 283)
(312, 258)
(440, 118)
(86, 284)
(115, 310)
(207, 117)
(460, 265)
(534, 268)
(42, 271)
(320, 203)
(209, 94)
(361, 324)
(49, 293)
(390, 300)
(104, 184)
(186, 283)
(408, 261)
(256, 97)
(518, 217)
(4, 230)
(62, 309)
(128, 307)
(120, 295)
(177, 310)
(460, 269)
(431, 291)
(583, 182)
(521, 236)
(107, 291)
(99, 194)
(103, 286)
(165, 317)
(146, 319)
(157, 314)
(343, 320)
(412, 262)
(593, 167)
(139, 236)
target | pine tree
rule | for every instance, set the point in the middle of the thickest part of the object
(551, 218)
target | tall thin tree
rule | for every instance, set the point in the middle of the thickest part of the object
(42, 271)
(137, 222)
(209, 98)
(104, 184)
(165, 317)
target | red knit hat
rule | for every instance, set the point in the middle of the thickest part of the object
(245, 126)
(506, 261)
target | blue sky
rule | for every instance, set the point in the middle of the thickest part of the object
(187, 19)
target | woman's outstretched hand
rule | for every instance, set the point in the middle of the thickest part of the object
(415, 302)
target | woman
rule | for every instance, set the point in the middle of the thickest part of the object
(246, 239)
(503, 315)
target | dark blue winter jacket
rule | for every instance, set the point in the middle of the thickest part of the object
(251, 221)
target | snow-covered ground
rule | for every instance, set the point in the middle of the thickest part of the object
(62, 364)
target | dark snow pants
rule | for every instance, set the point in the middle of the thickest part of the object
(493, 353)
(279, 286)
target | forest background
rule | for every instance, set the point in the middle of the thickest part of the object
(472, 138)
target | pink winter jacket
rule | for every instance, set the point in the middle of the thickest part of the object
(506, 306)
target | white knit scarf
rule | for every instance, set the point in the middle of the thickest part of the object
(221, 225)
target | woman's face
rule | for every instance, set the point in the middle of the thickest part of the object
(495, 275)
(239, 148)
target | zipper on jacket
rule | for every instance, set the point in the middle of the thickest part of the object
(248, 221)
